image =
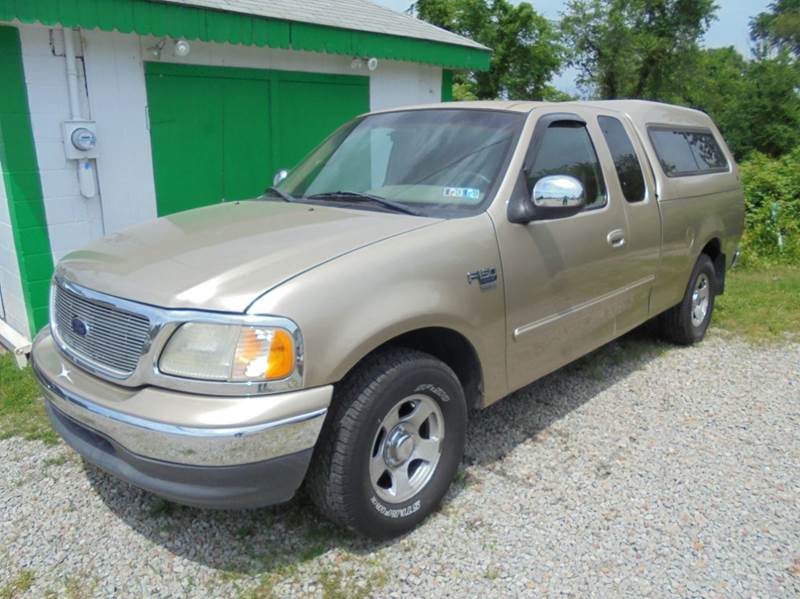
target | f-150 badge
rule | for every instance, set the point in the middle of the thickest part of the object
(486, 277)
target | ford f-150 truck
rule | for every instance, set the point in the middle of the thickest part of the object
(419, 264)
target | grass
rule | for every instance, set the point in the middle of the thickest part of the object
(21, 410)
(761, 305)
(16, 587)
(337, 584)
(56, 461)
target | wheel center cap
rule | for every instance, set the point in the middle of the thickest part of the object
(399, 447)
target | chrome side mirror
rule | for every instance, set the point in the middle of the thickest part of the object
(555, 196)
(558, 191)
(279, 176)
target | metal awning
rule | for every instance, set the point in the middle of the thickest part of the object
(351, 27)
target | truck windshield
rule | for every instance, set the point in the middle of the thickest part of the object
(439, 162)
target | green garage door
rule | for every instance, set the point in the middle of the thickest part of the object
(219, 134)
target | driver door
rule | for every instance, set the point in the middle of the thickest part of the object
(564, 276)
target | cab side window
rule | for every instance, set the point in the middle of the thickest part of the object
(626, 163)
(567, 149)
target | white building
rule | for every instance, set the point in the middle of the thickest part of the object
(113, 112)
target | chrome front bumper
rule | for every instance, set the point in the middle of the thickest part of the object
(182, 428)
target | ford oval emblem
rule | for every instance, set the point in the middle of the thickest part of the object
(79, 327)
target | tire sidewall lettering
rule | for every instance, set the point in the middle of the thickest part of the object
(396, 512)
(433, 390)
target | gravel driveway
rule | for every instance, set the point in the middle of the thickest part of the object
(641, 470)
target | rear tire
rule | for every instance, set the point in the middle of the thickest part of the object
(687, 322)
(391, 444)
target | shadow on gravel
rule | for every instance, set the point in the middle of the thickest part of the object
(266, 541)
(273, 541)
(528, 412)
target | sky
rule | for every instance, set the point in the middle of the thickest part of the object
(731, 28)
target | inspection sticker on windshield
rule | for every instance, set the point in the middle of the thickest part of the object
(470, 193)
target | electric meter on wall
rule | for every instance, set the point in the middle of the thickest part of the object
(83, 139)
(80, 139)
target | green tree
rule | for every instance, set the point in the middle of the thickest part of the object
(754, 103)
(635, 48)
(525, 46)
(779, 27)
(769, 118)
(716, 86)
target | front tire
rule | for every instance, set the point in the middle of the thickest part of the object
(391, 444)
(686, 323)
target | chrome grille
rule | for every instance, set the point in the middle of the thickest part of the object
(113, 338)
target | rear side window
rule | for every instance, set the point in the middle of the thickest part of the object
(683, 152)
(567, 150)
(626, 163)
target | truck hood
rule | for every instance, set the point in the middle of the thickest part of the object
(223, 257)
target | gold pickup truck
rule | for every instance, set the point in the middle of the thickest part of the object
(419, 264)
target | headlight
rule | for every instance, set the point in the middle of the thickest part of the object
(223, 352)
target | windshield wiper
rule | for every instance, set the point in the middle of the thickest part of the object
(286, 197)
(358, 196)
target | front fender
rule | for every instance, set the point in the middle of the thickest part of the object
(349, 306)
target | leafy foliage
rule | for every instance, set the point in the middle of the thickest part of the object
(635, 48)
(772, 200)
(650, 49)
(754, 103)
(525, 47)
(779, 27)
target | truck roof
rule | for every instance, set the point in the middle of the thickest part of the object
(640, 111)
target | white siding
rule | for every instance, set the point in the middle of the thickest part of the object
(403, 83)
(72, 220)
(10, 286)
(119, 106)
(229, 55)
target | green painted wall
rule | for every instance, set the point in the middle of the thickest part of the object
(447, 85)
(222, 132)
(209, 139)
(21, 179)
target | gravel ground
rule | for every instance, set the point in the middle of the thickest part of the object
(641, 470)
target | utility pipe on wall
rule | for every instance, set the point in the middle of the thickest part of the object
(72, 75)
(86, 178)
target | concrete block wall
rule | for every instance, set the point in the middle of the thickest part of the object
(13, 308)
(72, 219)
(118, 98)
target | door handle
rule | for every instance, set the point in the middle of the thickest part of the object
(616, 238)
